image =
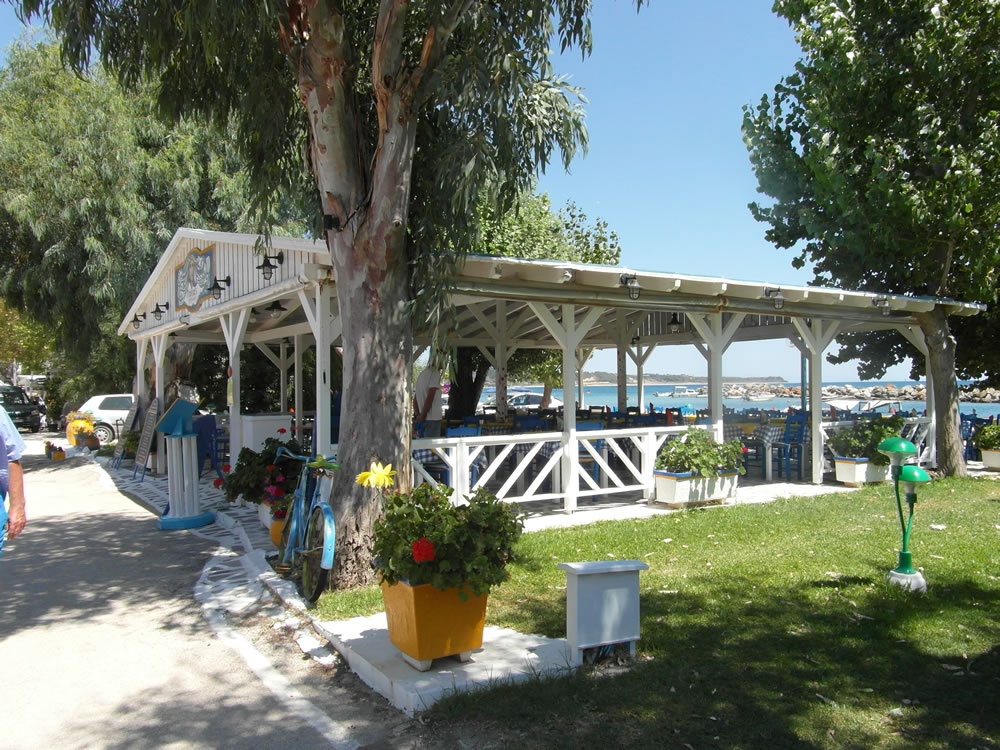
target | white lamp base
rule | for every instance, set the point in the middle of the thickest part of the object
(912, 581)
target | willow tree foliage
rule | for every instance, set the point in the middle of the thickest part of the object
(881, 153)
(406, 113)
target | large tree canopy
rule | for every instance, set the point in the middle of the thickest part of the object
(882, 155)
(407, 112)
(93, 186)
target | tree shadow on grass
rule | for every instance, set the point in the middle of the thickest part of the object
(788, 668)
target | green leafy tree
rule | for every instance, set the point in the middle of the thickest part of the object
(408, 112)
(534, 231)
(93, 187)
(23, 342)
(882, 155)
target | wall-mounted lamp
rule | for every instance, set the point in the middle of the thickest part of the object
(160, 309)
(774, 294)
(675, 323)
(883, 304)
(268, 265)
(218, 285)
(276, 308)
(630, 282)
(137, 319)
(567, 275)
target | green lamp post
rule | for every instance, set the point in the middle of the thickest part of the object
(909, 475)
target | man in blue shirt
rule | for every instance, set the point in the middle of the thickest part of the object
(12, 521)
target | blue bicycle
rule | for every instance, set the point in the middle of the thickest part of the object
(309, 538)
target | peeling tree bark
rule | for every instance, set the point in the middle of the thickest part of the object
(368, 199)
(941, 365)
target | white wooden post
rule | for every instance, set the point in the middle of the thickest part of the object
(234, 328)
(621, 337)
(140, 369)
(816, 335)
(717, 338)
(916, 337)
(569, 333)
(283, 380)
(297, 342)
(159, 355)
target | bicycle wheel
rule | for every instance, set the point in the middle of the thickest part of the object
(314, 578)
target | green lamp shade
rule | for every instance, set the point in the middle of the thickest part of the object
(898, 449)
(910, 476)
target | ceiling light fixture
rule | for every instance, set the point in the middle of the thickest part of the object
(276, 308)
(630, 282)
(675, 323)
(774, 294)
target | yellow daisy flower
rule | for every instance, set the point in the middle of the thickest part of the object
(379, 476)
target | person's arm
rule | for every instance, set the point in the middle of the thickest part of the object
(428, 401)
(15, 491)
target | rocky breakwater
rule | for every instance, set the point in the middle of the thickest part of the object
(916, 392)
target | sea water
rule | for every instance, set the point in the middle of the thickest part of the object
(607, 395)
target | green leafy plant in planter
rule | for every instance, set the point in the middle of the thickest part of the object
(862, 438)
(257, 471)
(130, 441)
(988, 437)
(424, 538)
(695, 451)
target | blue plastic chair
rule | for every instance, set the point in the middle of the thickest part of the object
(790, 450)
(585, 457)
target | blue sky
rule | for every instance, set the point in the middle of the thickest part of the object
(666, 167)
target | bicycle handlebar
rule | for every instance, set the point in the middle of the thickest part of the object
(283, 451)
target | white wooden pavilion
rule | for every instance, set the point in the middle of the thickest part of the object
(217, 288)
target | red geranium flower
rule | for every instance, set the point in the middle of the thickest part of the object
(270, 467)
(282, 430)
(423, 550)
(282, 513)
(217, 482)
(226, 468)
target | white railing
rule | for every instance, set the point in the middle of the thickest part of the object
(529, 467)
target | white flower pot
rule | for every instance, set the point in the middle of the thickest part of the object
(689, 490)
(991, 459)
(855, 472)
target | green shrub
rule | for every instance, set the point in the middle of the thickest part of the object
(988, 437)
(862, 438)
(256, 470)
(424, 538)
(696, 451)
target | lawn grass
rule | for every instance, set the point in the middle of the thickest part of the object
(767, 626)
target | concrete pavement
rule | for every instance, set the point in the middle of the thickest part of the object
(102, 644)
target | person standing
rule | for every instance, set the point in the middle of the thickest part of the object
(12, 515)
(427, 407)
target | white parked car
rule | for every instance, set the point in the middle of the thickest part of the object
(109, 410)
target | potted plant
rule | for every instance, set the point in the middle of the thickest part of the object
(437, 561)
(256, 471)
(855, 450)
(695, 470)
(988, 442)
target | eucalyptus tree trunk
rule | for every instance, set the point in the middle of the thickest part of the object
(365, 195)
(941, 366)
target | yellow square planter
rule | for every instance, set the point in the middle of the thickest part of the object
(58, 455)
(426, 623)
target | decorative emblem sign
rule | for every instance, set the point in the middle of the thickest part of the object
(193, 278)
